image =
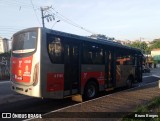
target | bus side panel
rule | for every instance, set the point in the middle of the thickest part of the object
(124, 71)
(96, 72)
(55, 81)
(51, 74)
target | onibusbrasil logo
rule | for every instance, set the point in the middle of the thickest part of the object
(21, 115)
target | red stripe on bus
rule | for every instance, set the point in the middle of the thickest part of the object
(99, 76)
(55, 82)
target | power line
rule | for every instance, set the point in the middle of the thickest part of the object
(12, 3)
(65, 19)
(8, 31)
(56, 13)
(35, 12)
(55, 23)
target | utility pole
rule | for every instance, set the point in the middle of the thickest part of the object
(42, 17)
(141, 46)
(49, 17)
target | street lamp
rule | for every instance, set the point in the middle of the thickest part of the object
(55, 23)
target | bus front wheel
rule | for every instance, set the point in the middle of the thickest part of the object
(90, 90)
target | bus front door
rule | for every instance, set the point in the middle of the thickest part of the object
(71, 69)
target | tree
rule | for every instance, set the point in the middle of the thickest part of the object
(144, 47)
(155, 44)
(135, 45)
(140, 45)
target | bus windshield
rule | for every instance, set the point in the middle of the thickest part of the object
(24, 42)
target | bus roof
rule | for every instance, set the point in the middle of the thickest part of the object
(97, 40)
(88, 39)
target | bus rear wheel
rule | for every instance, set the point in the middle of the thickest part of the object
(90, 90)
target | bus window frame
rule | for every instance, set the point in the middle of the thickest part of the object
(93, 44)
(62, 45)
(29, 53)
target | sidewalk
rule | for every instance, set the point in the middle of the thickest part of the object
(118, 103)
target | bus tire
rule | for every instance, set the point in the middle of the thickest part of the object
(91, 90)
(129, 82)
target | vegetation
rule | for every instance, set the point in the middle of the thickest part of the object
(155, 44)
(142, 45)
(146, 49)
(152, 108)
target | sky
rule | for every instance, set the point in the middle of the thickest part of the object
(121, 19)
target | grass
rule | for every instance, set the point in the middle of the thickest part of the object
(152, 108)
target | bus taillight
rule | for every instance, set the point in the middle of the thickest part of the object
(35, 74)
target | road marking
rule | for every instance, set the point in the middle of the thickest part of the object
(146, 76)
(151, 75)
(3, 82)
(156, 76)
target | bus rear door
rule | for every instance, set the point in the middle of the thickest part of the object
(71, 69)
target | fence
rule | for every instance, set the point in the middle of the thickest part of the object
(5, 66)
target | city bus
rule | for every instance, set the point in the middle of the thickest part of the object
(52, 64)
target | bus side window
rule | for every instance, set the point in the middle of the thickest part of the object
(119, 59)
(92, 54)
(98, 57)
(55, 49)
(87, 55)
(124, 59)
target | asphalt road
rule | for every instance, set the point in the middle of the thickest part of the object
(154, 71)
(13, 102)
(5, 88)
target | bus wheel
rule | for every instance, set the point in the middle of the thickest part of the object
(129, 83)
(90, 90)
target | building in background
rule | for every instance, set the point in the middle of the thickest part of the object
(156, 56)
(155, 52)
(4, 45)
(10, 44)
